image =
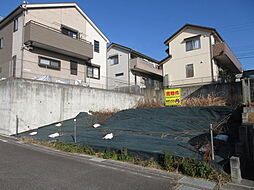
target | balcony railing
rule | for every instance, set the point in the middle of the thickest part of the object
(45, 37)
(142, 65)
(226, 58)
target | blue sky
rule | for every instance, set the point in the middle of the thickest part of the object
(144, 24)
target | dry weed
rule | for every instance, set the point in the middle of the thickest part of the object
(102, 116)
(148, 104)
(251, 117)
(204, 101)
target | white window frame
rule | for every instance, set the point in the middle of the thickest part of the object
(49, 63)
(193, 44)
(91, 72)
(74, 67)
(70, 32)
(188, 73)
(113, 58)
(15, 25)
(96, 46)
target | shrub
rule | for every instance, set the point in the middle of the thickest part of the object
(123, 155)
(110, 155)
(73, 148)
(169, 161)
(204, 170)
(189, 167)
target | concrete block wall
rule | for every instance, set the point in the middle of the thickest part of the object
(245, 148)
(248, 115)
(232, 92)
(40, 103)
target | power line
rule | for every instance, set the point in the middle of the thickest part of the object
(235, 25)
(248, 57)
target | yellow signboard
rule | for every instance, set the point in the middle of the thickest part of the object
(172, 97)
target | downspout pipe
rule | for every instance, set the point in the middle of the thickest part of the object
(22, 45)
(211, 57)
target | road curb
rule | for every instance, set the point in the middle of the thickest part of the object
(197, 183)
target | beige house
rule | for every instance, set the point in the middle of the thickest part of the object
(198, 55)
(56, 42)
(127, 67)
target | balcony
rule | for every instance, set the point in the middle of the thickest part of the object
(226, 58)
(144, 66)
(42, 36)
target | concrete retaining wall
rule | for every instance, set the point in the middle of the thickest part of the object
(40, 103)
(232, 92)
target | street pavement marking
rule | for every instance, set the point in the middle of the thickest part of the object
(20, 142)
(5, 141)
(97, 159)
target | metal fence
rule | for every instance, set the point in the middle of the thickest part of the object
(248, 91)
(252, 90)
(63, 75)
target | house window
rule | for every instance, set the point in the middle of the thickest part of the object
(113, 60)
(74, 68)
(192, 44)
(189, 71)
(49, 63)
(93, 72)
(97, 46)
(119, 74)
(15, 25)
(70, 32)
(1, 43)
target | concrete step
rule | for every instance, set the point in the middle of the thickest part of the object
(197, 183)
(244, 185)
(248, 109)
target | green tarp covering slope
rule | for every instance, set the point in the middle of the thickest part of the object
(145, 132)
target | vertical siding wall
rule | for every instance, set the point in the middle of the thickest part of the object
(40, 103)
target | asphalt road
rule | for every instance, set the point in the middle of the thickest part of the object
(29, 167)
